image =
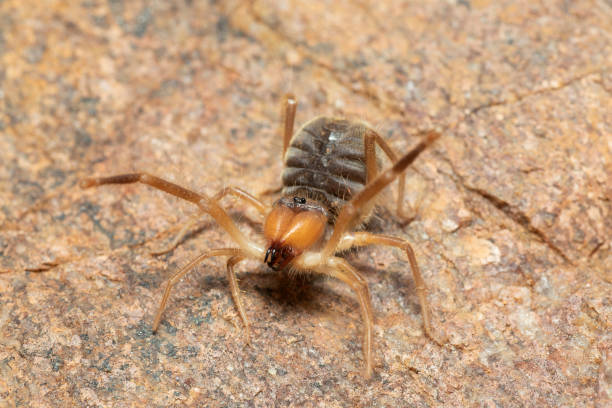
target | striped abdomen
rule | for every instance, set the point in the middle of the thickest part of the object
(325, 161)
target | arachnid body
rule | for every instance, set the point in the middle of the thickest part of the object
(330, 181)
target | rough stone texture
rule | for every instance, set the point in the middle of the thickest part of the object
(514, 201)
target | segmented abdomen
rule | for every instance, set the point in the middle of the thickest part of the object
(326, 161)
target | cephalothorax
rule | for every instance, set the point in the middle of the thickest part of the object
(331, 178)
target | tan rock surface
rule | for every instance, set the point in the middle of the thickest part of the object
(514, 202)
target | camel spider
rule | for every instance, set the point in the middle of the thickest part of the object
(331, 177)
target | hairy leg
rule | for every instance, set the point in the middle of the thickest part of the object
(231, 276)
(369, 149)
(342, 270)
(233, 252)
(289, 110)
(366, 238)
(372, 138)
(237, 192)
(205, 203)
(290, 107)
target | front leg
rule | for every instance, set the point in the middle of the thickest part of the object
(233, 252)
(235, 290)
(341, 269)
(365, 238)
(205, 203)
(237, 192)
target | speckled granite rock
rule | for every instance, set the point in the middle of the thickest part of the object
(513, 202)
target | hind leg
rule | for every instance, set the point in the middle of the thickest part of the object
(372, 139)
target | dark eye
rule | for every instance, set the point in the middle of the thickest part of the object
(299, 200)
